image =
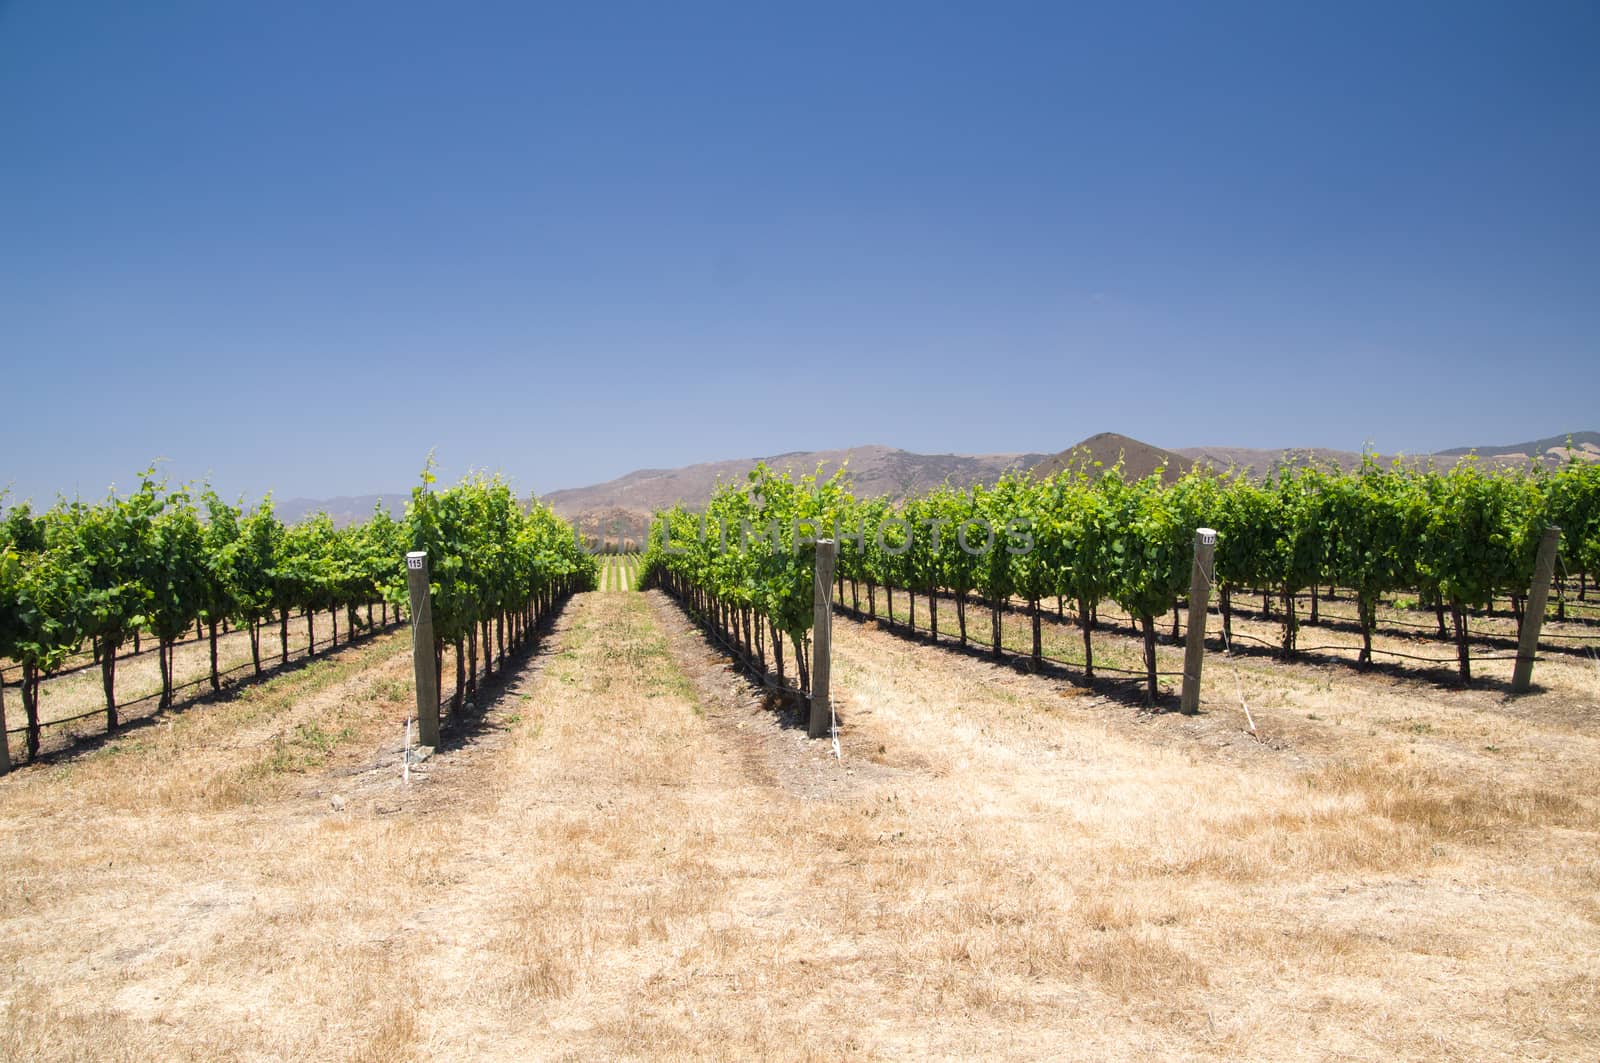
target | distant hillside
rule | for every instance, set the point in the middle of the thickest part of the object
(1585, 446)
(1259, 462)
(346, 509)
(1256, 461)
(1106, 449)
(621, 508)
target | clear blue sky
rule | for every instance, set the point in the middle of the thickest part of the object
(295, 245)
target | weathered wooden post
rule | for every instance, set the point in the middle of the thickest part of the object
(1194, 647)
(822, 639)
(422, 649)
(1544, 567)
(5, 745)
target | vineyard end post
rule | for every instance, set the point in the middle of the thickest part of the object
(427, 681)
(822, 639)
(1544, 568)
(1194, 649)
(5, 748)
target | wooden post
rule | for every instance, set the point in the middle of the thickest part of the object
(1194, 649)
(1533, 615)
(5, 747)
(822, 639)
(427, 680)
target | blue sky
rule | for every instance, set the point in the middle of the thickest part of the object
(298, 245)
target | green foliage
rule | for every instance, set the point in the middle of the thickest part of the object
(1481, 533)
(1081, 522)
(154, 560)
(1245, 518)
(1089, 537)
(112, 546)
(1002, 507)
(40, 595)
(248, 561)
(486, 553)
(1151, 546)
(755, 544)
(1573, 498)
(1375, 517)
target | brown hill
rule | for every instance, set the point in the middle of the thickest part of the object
(345, 509)
(619, 510)
(1106, 449)
(1549, 453)
(622, 507)
(1255, 461)
(622, 529)
(1581, 446)
(1141, 459)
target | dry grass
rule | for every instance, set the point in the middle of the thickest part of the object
(1001, 871)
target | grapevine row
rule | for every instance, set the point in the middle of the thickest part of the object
(754, 590)
(166, 560)
(1457, 538)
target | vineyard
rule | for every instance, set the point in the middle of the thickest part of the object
(1386, 541)
(619, 572)
(625, 845)
(84, 586)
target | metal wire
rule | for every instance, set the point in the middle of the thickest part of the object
(1227, 645)
(152, 644)
(737, 652)
(1016, 654)
(123, 706)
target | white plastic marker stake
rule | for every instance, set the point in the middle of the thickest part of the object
(405, 756)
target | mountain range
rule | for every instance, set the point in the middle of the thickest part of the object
(620, 509)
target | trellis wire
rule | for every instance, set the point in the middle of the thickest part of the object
(123, 706)
(945, 636)
(737, 652)
(1227, 645)
(152, 644)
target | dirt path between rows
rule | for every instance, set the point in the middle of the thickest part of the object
(628, 854)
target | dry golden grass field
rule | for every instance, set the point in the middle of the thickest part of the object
(629, 857)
